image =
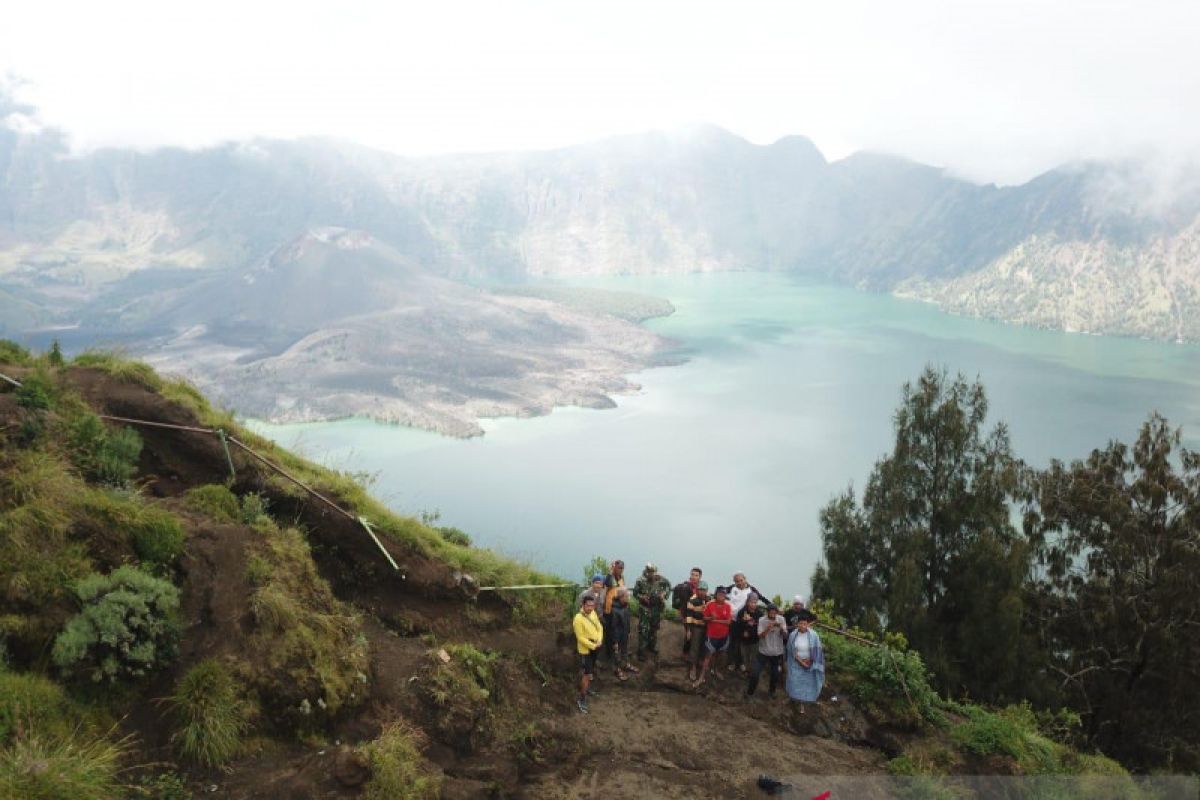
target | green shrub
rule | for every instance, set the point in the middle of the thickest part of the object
(13, 353)
(888, 684)
(254, 507)
(211, 716)
(398, 771)
(157, 537)
(126, 629)
(1012, 732)
(215, 501)
(455, 536)
(27, 699)
(37, 392)
(107, 456)
(74, 767)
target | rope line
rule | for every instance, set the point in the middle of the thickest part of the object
(226, 440)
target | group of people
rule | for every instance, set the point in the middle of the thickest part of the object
(735, 623)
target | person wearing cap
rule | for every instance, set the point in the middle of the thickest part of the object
(651, 591)
(614, 582)
(718, 616)
(797, 611)
(589, 634)
(595, 589)
(693, 620)
(772, 640)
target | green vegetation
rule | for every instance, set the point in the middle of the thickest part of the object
(35, 766)
(215, 501)
(1084, 607)
(32, 701)
(468, 677)
(104, 455)
(314, 659)
(119, 366)
(212, 717)
(126, 628)
(889, 682)
(933, 547)
(39, 560)
(37, 393)
(398, 770)
(1114, 599)
(13, 353)
(153, 533)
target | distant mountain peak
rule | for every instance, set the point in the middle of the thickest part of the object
(316, 239)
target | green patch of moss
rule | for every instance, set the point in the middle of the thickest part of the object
(214, 501)
(314, 657)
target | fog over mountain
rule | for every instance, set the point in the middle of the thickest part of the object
(176, 249)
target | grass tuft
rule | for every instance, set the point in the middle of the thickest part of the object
(30, 700)
(398, 770)
(73, 767)
(212, 717)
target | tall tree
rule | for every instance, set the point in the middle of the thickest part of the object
(1118, 541)
(933, 551)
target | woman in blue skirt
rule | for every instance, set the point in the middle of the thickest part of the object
(805, 664)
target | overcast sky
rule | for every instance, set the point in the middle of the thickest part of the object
(993, 90)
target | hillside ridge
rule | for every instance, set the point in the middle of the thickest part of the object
(346, 678)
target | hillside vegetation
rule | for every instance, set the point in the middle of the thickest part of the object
(169, 627)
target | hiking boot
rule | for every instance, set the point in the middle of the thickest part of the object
(581, 704)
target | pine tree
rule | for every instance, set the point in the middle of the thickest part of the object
(932, 551)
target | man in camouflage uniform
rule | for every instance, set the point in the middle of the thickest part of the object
(651, 591)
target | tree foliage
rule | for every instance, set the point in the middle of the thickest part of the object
(932, 550)
(1117, 538)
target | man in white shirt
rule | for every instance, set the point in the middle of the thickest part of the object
(737, 595)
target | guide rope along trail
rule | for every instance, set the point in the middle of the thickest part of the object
(465, 582)
(226, 440)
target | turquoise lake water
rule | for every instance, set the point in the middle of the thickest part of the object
(725, 460)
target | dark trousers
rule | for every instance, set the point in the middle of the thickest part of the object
(774, 665)
(607, 621)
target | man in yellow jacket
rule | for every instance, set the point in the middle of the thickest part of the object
(589, 633)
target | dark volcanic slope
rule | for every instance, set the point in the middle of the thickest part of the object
(380, 338)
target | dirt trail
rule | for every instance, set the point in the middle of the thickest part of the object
(653, 736)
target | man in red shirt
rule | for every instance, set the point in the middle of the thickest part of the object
(718, 616)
